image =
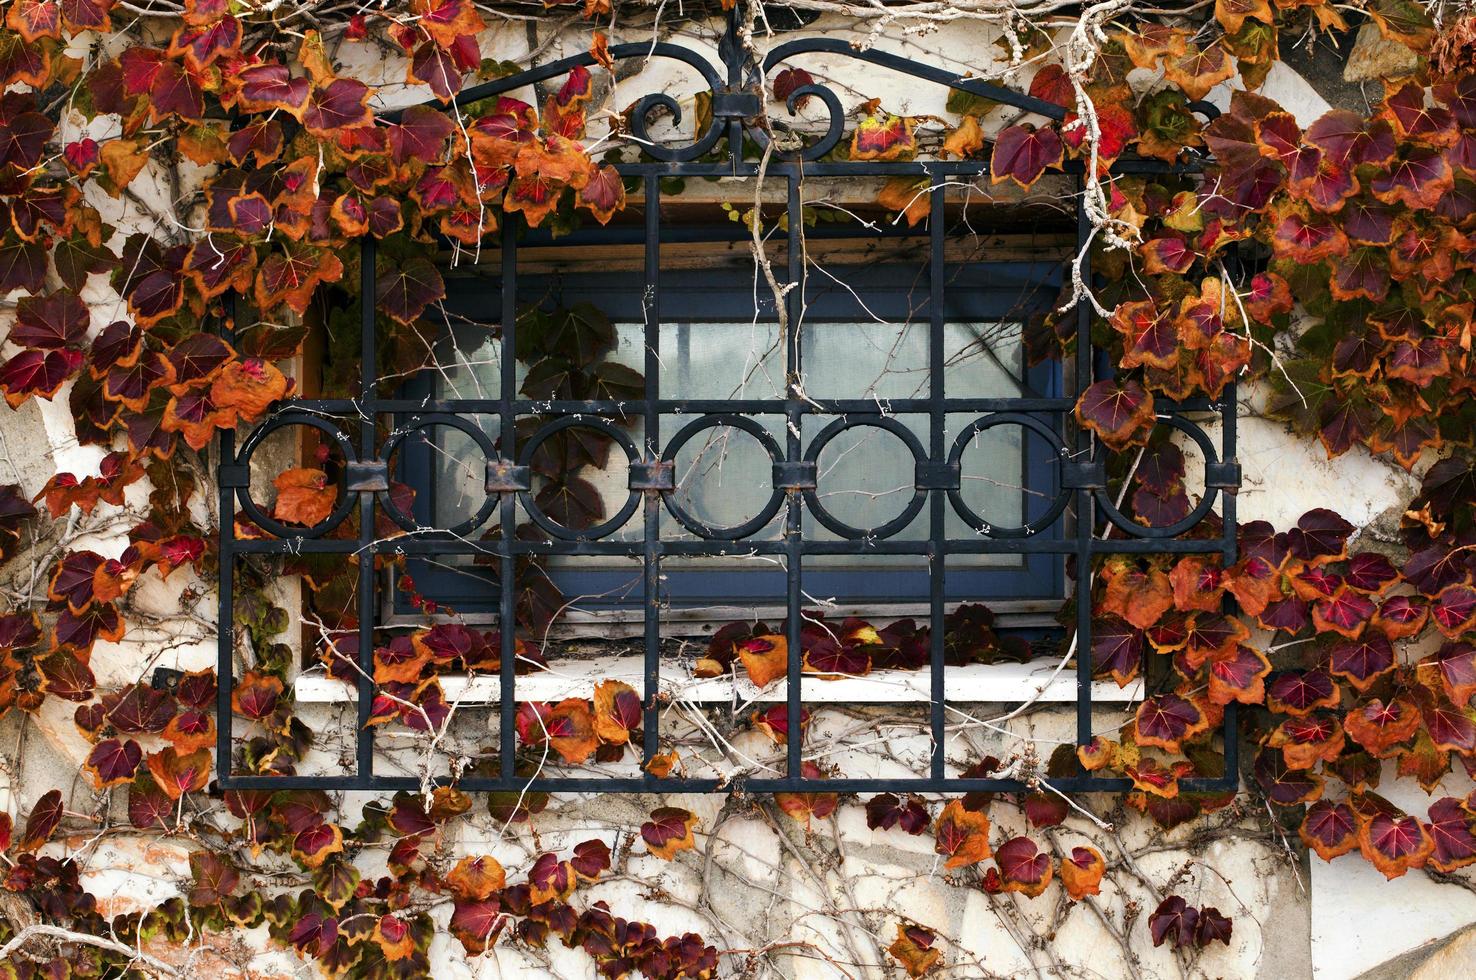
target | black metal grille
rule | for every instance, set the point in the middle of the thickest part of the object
(736, 99)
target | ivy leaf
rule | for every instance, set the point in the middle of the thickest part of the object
(215, 880)
(1022, 153)
(255, 695)
(50, 322)
(1378, 726)
(1454, 610)
(178, 774)
(1200, 69)
(913, 949)
(1451, 831)
(1212, 926)
(617, 711)
(669, 830)
(1023, 867)
(1329, 828)
(265, 88)
(1167, 720)
(962, 835)
(304, 497)
(1240, 676)
(887, 810)
(1394, 842)
(1175, 922)
(1362, 661)
(1457, 665)
(883, 136)
(1119, 412)
(1283, 785)
(405, 290)
(340, 104)
(1081, 872)
(37, 372)
(1404, 21)
(45, 817)
(314, 845)
(67, 676)
(604, 194)
(1117, 649)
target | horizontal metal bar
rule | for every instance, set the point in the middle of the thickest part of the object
(350, 408)
(441, 543)
(650, 784)
(674, 406)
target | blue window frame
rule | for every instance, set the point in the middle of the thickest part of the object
(989, 303)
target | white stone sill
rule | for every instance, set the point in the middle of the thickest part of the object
(1005, 683)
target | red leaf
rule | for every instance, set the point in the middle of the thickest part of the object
(1450, 829)
(1394, 843)
(788, 81)
(112, 762)
(1120, 412)
(1457, 664)
(1166, 720)
(404, 291)
(1362, 661)
(1454, 610)
(263, 88)
(36, 372)
(1320, 534)
(1175, 922)
(50, 322)
(419, 135)
(1023, 867)
(887, 810)
(669, 830)
(45, 817)
(1329, 828)
(342, 103)
(1022, 153)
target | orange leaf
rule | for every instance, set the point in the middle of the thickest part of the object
(1081, 873)
(913, 948)
(179, 774)
(669, 830)
(616, 707)
(476, 877)
(966, 140)
(963, 835)
(766, 658)
(908, 195)
(303, 497)
(571, 730)
(246, 389)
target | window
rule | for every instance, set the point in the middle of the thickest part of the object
(860, 421)
(864, 340)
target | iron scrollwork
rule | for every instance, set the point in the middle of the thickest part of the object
(1078, 485)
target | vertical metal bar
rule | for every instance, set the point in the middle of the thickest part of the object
(735, 56)
(651, 556)
(1229, 528)
(1228, 452)
(794, 409)
(368, 370)
(937, 451)
(1082, 445)
(225, 627)
(508, 510)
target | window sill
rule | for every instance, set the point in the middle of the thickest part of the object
(1005, 683)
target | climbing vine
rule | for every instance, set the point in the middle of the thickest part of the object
(186, 192)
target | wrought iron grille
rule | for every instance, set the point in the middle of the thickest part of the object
(719, 151)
